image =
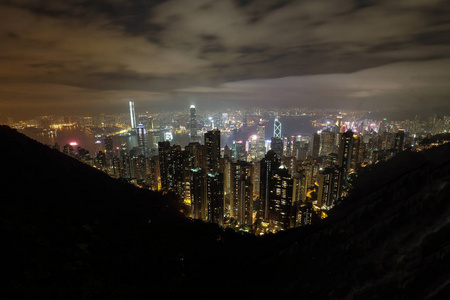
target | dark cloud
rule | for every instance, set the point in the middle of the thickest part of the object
(153, 49)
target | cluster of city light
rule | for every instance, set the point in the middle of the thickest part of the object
(165, 126)
(60, 126)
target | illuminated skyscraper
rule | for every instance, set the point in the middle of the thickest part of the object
(193, 157)
(330, 186)
(171, 168)
(176, 183)
(277, 146)
(281, 216)
(268, 165)
(142, 119)
(277, 128)
(242, 193)
(252, 144)
(355, 158)
(291, 164)
(132, 115)
(214, 197)
(142, 139)
(261, 148)
(399, 140)
(300, 189)
(227, 152)
(315, 145)
(338, 122)
(126, 167)
(109, 149)
(163, 154)
(331, 160)
(308, 168)
(382, 127)
(256, 181)
(212, 144)
(328, 141)
(68, 149)
(344, 155)
(345, 149)
(193, 125)
(198, 193)
(300, 150)
(239, 153)
(139, 165)
(100, 160)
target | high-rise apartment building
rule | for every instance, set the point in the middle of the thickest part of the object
(163, 154)
(345, 150)
(330, 186)
(268, 164)
(171, 168)
(212, 144)
(198, 193)
(241, 202)
(300, 150)
(277, 146)
(300, 188)
(327, 139)
(399, 140)
(315, 145)
(215, 197)
(193, 157)
(281, 210)
(355, 158)
(261, 141)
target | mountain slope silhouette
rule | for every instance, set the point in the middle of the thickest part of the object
(70, 231)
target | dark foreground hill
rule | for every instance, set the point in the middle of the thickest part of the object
(70, 231)
(389, 240)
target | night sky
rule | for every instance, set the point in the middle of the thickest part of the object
(86, 57)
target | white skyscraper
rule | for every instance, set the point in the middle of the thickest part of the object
(132, 115)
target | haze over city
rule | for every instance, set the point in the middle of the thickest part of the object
(89, 57)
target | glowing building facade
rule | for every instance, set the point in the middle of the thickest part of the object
(132, 115)
(193, 125)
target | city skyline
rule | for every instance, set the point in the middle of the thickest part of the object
(256, 185)
(82, 57)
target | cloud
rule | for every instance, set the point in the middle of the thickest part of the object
(298, 37)
(224, 49)
(98, 46)
(413, 83)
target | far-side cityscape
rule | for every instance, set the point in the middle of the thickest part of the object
(239, 169)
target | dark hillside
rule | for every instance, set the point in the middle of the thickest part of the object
(70, 231)
(390, 239)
